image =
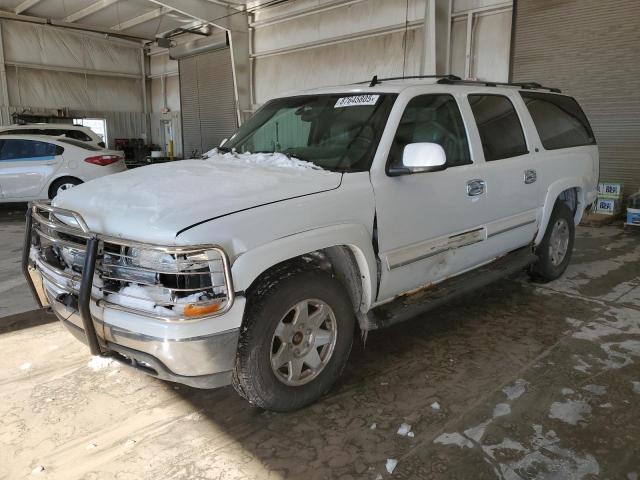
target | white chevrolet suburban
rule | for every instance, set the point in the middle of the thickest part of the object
(333, 210)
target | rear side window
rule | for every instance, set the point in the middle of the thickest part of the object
(560, 121)
(13, 149)
(499, 127)
(77, 135)
(432, 119)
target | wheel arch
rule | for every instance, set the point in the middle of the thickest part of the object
(53, 180)
(345, 250)
(570, 191)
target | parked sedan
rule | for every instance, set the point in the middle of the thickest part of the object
(76, 132)
(35, 167)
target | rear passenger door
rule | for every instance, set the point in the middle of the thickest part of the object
(509, 176)
(26, 167)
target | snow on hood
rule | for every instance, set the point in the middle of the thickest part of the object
(153, 203)
(276, 159)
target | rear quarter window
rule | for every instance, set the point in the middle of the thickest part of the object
(77, 135)
(559, 120)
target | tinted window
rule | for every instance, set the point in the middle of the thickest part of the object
(13, 132)
(499, 126)
(77, 135)
(560, 121)
(77, 143)
(432, 119)
(26, 150)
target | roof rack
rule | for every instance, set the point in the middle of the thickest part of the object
(375, 80)
(446, 80)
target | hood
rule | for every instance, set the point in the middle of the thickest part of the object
(153, 203)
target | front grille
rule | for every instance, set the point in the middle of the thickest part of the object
(172, 283)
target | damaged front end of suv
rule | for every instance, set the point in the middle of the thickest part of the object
(96, 285)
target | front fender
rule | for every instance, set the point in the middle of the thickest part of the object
(249, 265)
(553, 192)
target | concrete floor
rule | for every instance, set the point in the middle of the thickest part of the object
(15, 297)
(530, 381)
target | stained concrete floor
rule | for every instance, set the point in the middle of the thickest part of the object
(517, 381)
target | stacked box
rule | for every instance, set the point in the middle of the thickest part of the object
(609, 190)
(633, 216)
(609, 200)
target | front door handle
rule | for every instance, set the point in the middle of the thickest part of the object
(475, 187)
(530, 176)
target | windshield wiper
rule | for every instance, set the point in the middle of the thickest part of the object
(224, 149)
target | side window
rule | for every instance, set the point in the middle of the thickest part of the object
(13, 149)
(432, 119)
(499, 127)
(560, 121)
(77, 135)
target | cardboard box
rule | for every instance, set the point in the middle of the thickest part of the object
(609, 190)
(633, 216)
(608, 206)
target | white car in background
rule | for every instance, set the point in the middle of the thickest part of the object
(36, 167)
(76, 132)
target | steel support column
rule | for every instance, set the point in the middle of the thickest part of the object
(437, 38)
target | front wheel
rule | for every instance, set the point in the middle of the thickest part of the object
(295, 342)
(554, 252)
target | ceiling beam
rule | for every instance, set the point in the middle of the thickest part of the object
(221, 16)
(26, 5)
(145, 17)
(74, 26)
(91, 9)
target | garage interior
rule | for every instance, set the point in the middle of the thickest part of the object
(516, 380)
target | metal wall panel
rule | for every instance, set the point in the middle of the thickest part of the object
(591, 50)
(207, 101)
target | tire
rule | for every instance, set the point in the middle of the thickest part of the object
(554, 252)
(277, 312)
(62, 184)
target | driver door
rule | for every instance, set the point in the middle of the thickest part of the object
(431, 224)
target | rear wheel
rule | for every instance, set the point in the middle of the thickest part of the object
(295, 342)
(61, 185)
(554, 252)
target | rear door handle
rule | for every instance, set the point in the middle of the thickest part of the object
(530, 176)
(475, 187)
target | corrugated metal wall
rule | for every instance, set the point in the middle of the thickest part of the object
(207, 101)
(590, 49)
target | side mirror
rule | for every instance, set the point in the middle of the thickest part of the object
(420, 157)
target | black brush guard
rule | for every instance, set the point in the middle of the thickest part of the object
(86, 284)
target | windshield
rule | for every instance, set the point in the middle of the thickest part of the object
(335, 132)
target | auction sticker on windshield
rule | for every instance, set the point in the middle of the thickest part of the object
(356, 100)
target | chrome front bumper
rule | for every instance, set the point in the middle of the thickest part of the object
(201, 362)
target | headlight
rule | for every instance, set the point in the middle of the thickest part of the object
(153, 260)
(72, 258)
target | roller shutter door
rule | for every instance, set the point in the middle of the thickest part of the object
(207, 101)
(591, 50)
